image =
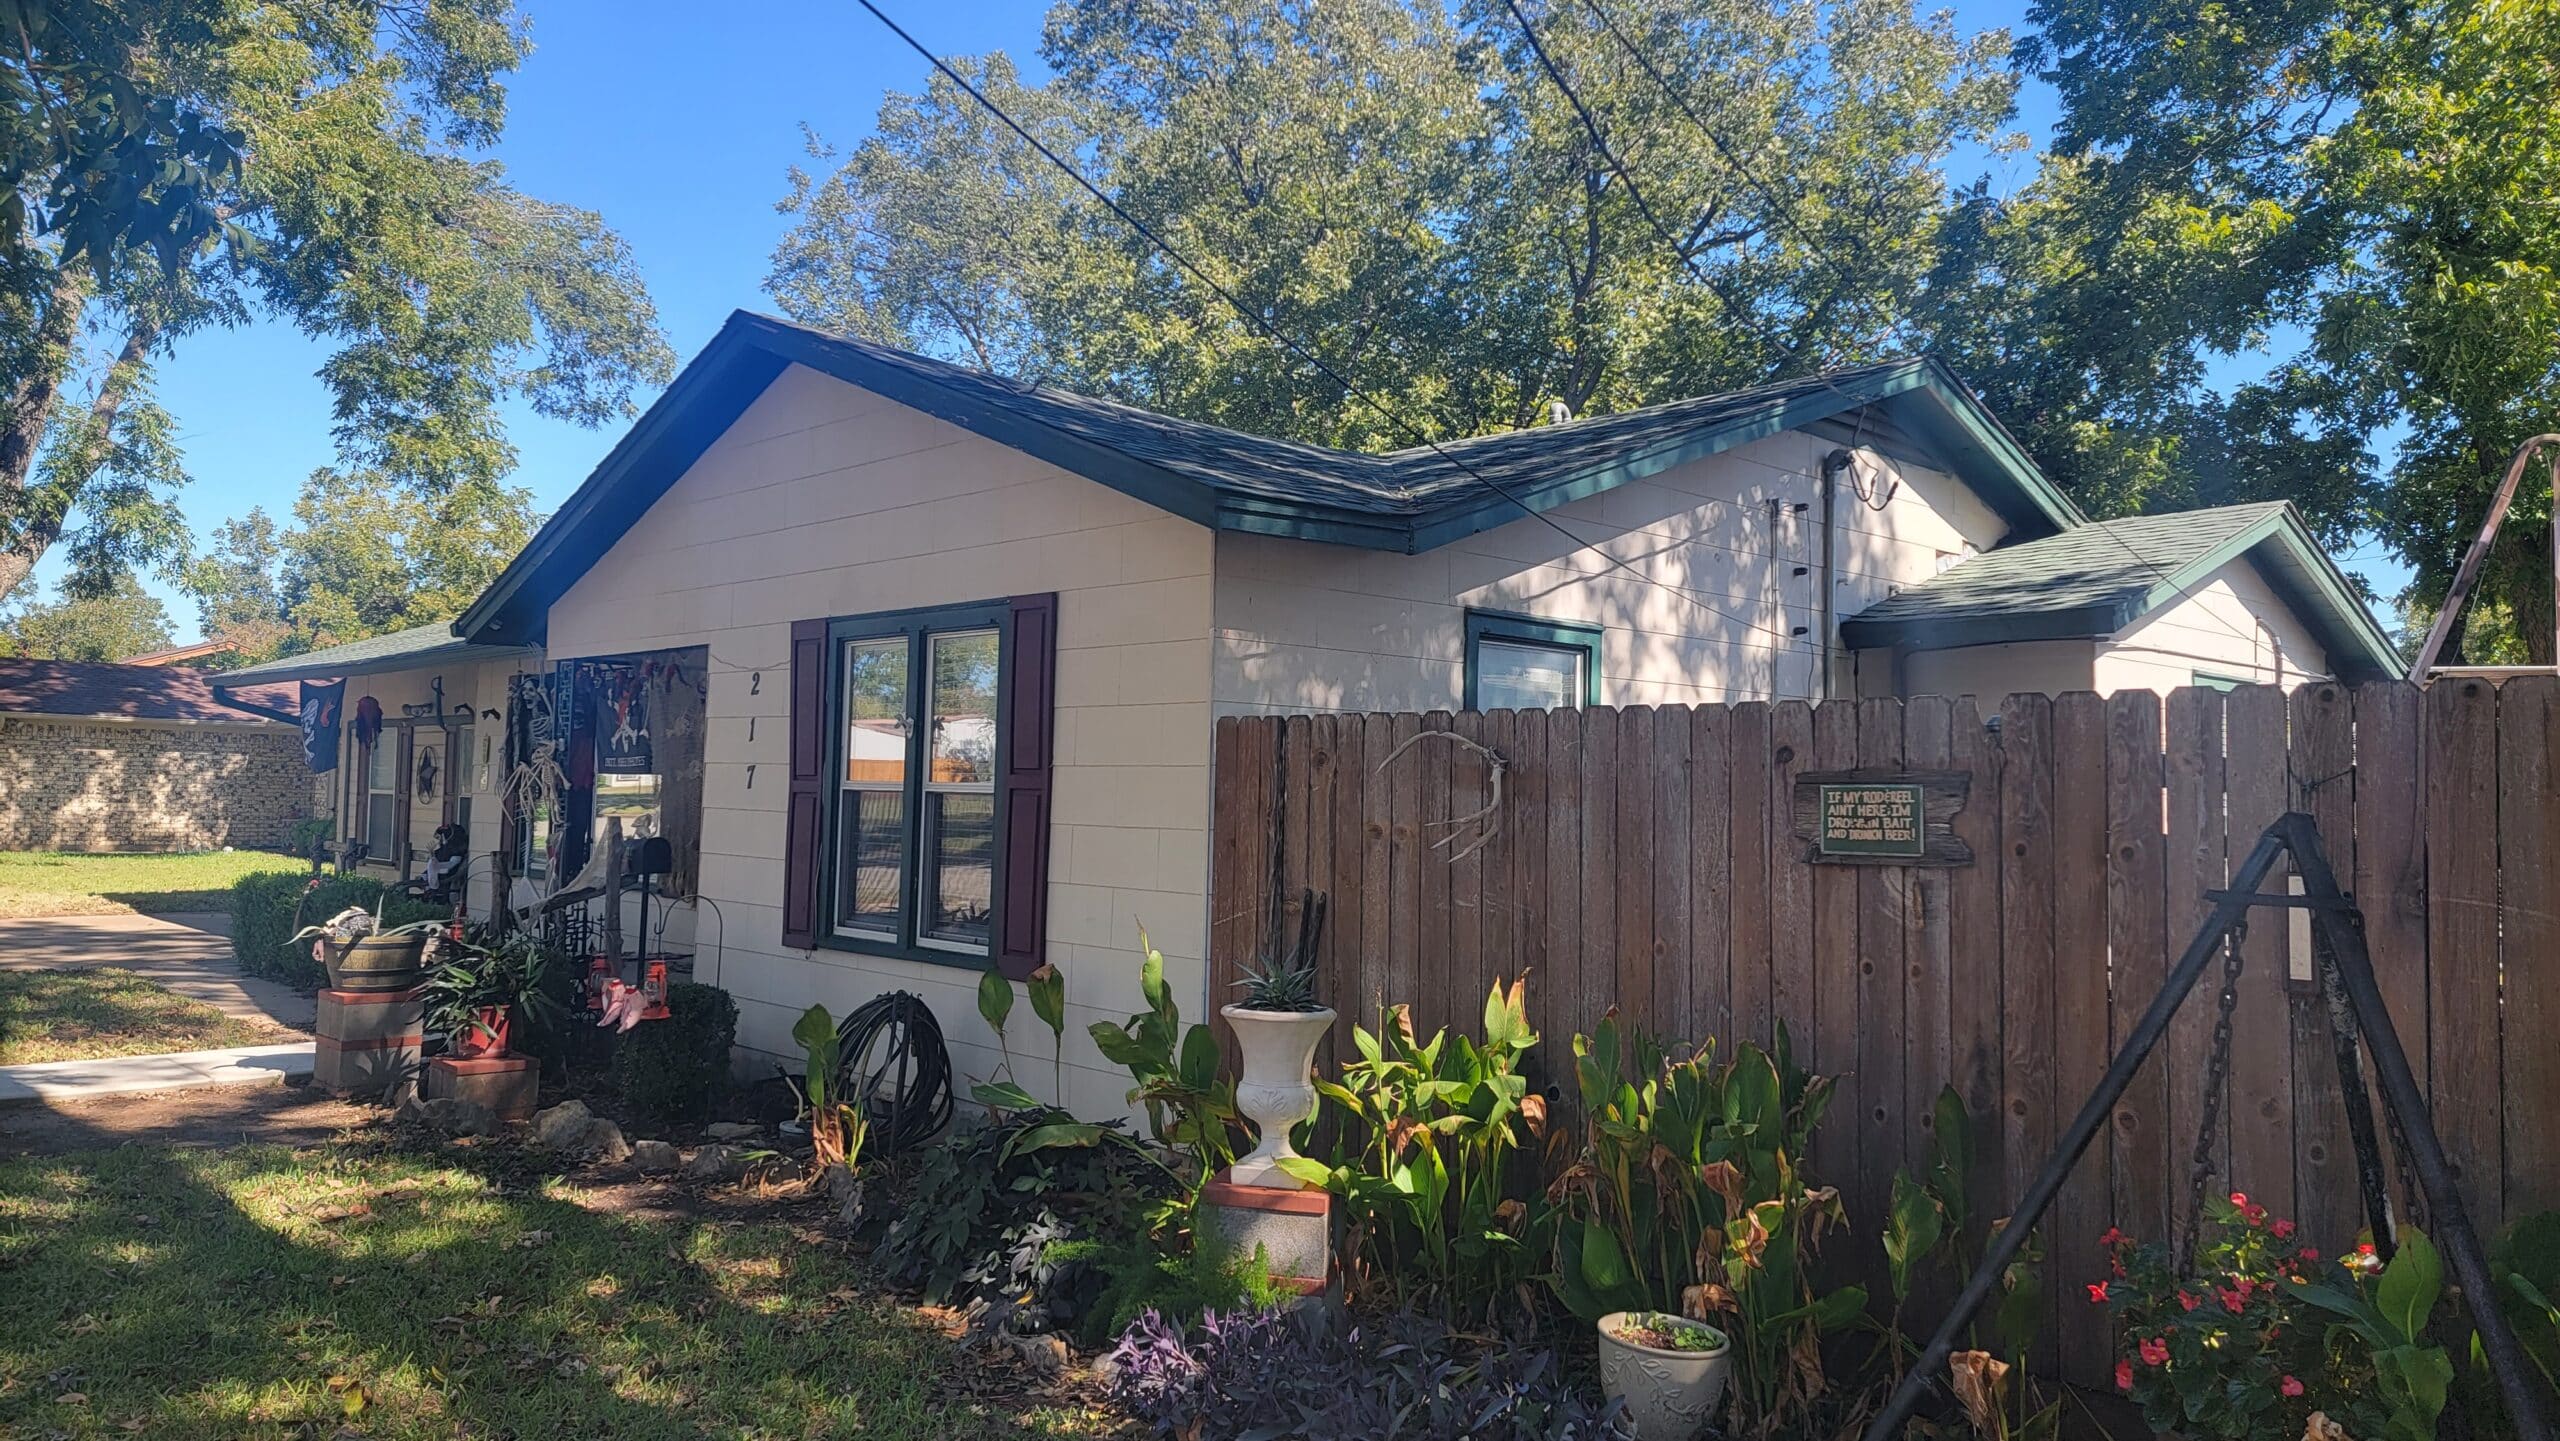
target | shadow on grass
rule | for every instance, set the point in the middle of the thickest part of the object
(264, 1291)
(108, 1011)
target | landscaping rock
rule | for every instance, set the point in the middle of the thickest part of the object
(452, 1116)
(716, 1163)
(656, 1155)
(842, 1184)
(731, 1130)
(571, 1128)
(564, 1126)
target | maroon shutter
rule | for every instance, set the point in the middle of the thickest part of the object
(1022, 793)
(800, 837)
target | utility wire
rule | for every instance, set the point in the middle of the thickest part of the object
(1271, 332)
(1635, 194)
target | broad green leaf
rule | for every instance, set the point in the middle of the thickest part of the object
(1047, 989)
(995, 999)
(2407, 1293)
(1004, 1096)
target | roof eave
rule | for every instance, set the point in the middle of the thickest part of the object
(2086, 622)
(1944, 412)
(299, 668)
(2308, 581)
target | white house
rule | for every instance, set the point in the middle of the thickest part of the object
(955, 644)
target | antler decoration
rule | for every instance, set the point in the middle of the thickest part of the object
(1486, 819)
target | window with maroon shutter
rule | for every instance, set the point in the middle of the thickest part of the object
(918, 821)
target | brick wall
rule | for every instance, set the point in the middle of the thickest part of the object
(72, 785)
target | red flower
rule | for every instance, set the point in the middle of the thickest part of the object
(2113, 1237)
(2240, 1199)
(2281, 1230)
(2186, 1302)
(2097, 1293)
(2232, 1301)
(2310, 1253)
(2365, 1250)
(2124, 1375)
(2117, 1267)
(2290, 1387)
(2155, 1352)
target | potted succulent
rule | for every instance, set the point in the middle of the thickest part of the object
(361, 955)
(1278, 1023)
(1668, 1369)
(476, 992)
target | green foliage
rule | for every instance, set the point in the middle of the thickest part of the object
(2526, 1266)
(837, 1127)
(357, 200)
(1397, 186)
(987, 1206)
(127, 621)
(1178, 1284)
(269, 907)
(1190, 1105)
(515, 971)
(677, 1068)
(1425, 1160)
(2388, 1313)
(1689, 1195)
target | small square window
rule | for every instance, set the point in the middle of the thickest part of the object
(1522, 663)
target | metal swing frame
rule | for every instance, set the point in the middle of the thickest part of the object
(2355, 1006)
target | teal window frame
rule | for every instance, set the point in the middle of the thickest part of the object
(1529, 630)
(917, 628)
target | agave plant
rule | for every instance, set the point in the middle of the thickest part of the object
(1283, 977)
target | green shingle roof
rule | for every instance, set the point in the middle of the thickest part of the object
(2095, 580)
(1408, 501)
(419, 645)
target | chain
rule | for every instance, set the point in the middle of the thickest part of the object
(2217, 1083)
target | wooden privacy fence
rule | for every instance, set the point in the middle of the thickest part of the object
(1647, 859)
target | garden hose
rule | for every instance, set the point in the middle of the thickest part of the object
(894, 1058)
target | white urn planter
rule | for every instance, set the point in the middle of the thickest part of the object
(1670, 1395)
(1277, 1050)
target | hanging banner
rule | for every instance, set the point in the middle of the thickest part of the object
(622, 723)
(320, 716)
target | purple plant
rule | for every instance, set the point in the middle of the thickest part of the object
(1304, 1372)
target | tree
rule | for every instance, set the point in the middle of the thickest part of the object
(2367, 191)
(365, 555)
(126, 621)
(1402, 191)
(363, 210)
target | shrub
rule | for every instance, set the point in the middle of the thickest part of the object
(1107, 1286)
(1303, 1372)
(989, 1207)
(677, 1068)
(674, 1069)
(269, 906)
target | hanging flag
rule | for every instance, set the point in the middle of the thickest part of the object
(320, 724)
(622, 745)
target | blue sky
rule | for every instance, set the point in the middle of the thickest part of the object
(676, 123)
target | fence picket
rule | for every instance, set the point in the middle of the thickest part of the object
(2027, 1123)
(1672, 982)
(1752, 855)
(2462, 935)
(2080, 1009)
(1833, 1047)
(2325, 1198)
(2262, 1026)
(2529, 936)
(1632, 845)
(1711, 872)
(2137, 854)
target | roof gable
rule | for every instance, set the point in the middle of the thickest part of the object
(418, 646)
(2097, 579)
(1407, 501)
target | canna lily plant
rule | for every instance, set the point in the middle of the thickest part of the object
(1688, 1196)
(1426, 1164)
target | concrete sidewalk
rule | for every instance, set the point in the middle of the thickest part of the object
(189, 955)
(178, 1071)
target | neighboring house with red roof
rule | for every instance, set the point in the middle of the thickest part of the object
(97, 757)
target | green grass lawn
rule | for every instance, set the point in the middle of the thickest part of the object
(106, 1011)
(51, 883)
(260, 1292)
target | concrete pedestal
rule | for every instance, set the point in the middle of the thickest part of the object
(1293, 1228)
(365, 1042)
(504, 1084)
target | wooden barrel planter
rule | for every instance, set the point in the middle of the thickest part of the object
(376, 963)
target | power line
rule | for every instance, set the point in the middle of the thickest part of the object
(1271, 332)
(1635, 194)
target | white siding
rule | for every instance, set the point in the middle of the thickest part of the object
(1708, 614)
(2232, 625)
(827, 500)
(1988, 673)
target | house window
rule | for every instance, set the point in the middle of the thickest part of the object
(917, 710)
(382, 797)
(1520, 663)
(2223, 683)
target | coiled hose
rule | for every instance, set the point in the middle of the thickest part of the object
(893, 1056)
